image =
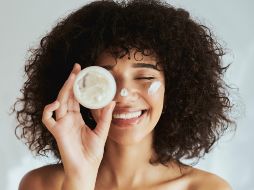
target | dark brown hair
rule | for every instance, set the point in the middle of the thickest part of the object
(196, 100)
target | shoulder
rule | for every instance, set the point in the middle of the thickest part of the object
(46, 177)
(202, 180)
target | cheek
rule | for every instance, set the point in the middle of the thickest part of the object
(156, 91)
(154, 95)
(157, 100)
(149, 88)
(154, 88)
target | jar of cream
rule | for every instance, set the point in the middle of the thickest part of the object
(94, 87)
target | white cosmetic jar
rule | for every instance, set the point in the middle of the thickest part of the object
(94, 87)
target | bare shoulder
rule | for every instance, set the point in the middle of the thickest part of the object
(202, 180)
(46, 177)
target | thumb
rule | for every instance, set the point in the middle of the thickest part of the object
(104, 122)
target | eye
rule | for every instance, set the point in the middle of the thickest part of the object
(145, 78)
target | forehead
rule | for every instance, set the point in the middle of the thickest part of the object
(133, 58)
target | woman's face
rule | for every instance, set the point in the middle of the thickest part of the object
(139, 97)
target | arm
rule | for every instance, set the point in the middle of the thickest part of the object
(212, 182)
(80, 147)
(31, 181)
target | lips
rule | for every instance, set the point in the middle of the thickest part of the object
(127, 115)
(127, 119)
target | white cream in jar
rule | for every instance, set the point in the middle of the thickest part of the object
(94, 87)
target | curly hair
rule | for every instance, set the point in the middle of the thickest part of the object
(196, 105)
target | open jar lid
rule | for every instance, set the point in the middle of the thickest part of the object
(94, 87)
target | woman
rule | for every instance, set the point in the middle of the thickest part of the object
(139, 140)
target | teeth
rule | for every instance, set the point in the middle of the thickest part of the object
(127, 115)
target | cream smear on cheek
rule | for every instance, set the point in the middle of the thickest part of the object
(154, 87)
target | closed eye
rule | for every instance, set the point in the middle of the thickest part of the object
(145, 78)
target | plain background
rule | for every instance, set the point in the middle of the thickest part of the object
(23, 23)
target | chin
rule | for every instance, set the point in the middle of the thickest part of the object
(127, 139)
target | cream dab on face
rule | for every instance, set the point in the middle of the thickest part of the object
(124, 92)
(154, 87)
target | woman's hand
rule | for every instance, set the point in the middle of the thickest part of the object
(80, 147)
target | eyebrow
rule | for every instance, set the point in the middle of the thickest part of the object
(145, 65)
(135, 65)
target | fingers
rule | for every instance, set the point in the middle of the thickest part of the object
(65, 96)
(76, 68)
(75, 103)
(47, 114)
(104, 122)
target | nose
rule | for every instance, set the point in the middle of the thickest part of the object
(125, 93)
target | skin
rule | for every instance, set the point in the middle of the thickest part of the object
(124, 164)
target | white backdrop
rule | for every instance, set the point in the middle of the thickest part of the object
(23, 23)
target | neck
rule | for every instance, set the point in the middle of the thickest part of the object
(125, 165)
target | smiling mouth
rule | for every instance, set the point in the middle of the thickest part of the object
(128, 118)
